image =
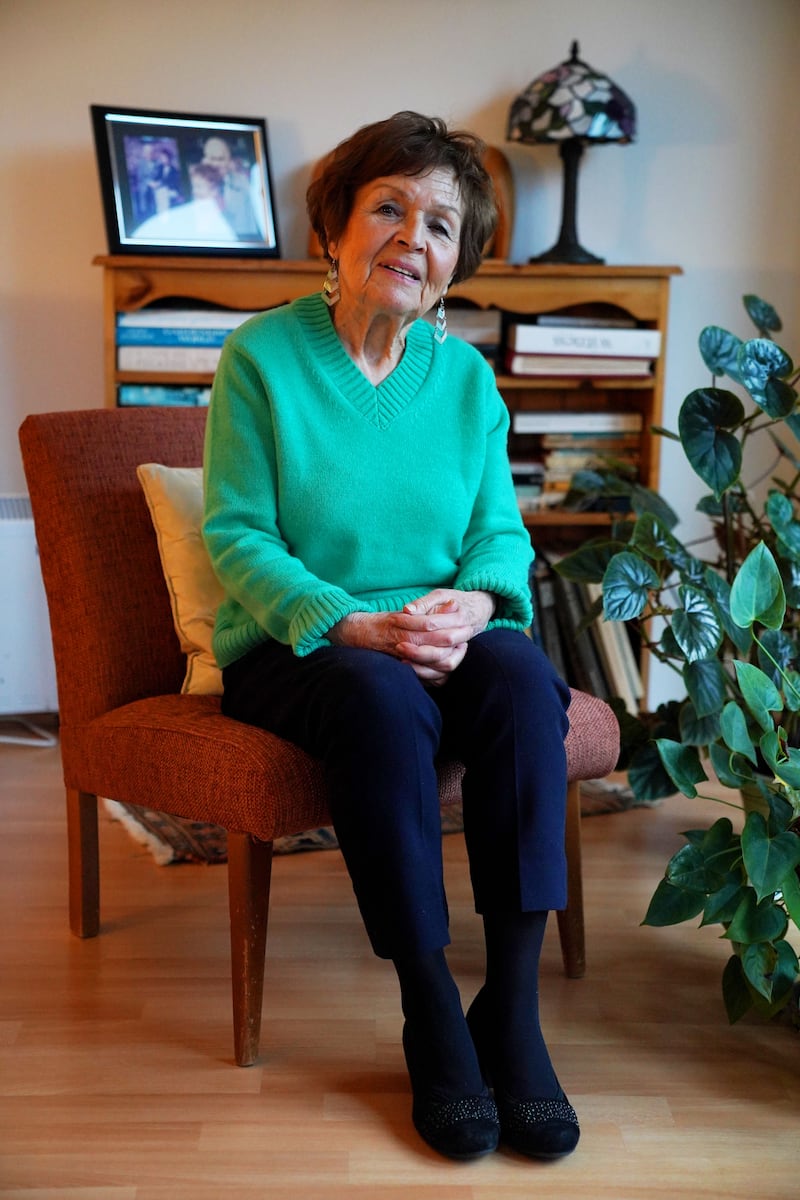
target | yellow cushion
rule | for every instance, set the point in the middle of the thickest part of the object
(175, 499)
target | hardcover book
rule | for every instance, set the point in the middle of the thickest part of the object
(168, 358)
(597, 421)
(559, 339)
(577, 365)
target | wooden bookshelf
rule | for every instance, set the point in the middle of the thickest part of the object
(641, 292)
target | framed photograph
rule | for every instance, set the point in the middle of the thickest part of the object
(176, 183)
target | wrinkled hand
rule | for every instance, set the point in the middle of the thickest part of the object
(430, 634)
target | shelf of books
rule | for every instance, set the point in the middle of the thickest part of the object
(578, 352)
(590, 653)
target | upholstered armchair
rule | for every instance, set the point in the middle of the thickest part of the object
(129, 732)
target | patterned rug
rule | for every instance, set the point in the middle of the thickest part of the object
(174, 840)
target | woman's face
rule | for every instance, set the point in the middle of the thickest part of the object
(399, 249)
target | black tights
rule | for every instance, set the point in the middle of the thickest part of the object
(509, 1003)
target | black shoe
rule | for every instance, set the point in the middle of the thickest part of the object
(537, 1128)
(462, 1129)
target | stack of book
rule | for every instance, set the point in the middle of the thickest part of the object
(529, 483)
(575, 347)
(179, 340)
(573, 441)
(594, 656)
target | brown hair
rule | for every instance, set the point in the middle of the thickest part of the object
(406, 144)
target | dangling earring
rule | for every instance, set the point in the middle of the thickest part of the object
(330, 288)
(440, 330)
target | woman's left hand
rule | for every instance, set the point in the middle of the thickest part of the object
(444, 608)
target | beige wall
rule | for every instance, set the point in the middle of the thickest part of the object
(711, 184)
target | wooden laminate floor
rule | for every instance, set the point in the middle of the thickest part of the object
(116, 1075)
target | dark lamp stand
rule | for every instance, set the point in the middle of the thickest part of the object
(567, 249)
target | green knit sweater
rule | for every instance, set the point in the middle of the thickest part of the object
(326, 495)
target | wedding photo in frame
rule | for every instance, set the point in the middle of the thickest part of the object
(179, 183)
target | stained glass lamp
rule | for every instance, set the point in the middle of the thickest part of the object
(573, 106)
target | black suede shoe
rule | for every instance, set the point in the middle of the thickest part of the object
(463, 1128)
(535, 1127)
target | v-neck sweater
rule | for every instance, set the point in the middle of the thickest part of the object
(327, 495)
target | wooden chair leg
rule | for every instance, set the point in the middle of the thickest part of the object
(570, 921)
(84, 863)
(249, 872)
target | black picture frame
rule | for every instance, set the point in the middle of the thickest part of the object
(181, 183)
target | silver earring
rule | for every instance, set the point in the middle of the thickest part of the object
(440, 330)
(330, 288)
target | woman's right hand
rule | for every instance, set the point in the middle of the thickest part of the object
(432, 644)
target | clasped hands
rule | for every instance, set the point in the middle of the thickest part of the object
(430, 633)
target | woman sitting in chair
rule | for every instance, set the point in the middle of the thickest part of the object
(361, 517)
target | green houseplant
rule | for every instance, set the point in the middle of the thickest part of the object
(728, 624)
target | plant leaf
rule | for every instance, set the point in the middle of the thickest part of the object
(756, 922)
(758, 692)
(779, 509)
(721, 905)
(695, 624)
(735, 734)
(643, 500)
(777, 645)
(719, 350)
(724, 761)
(705, 682)
(694, 730)
(785, 971)
(768, 860)
(771, 969)
(762, 314)
(646, 775)
(588, 563)
(714, 454)
(671, 905)
(758, 361)
(778, 399)
(791, 896)
(780, 512)
(781, 812)
(783, 760)
(652, 538)
(791, 690)
(706, 862)
(627, 583)
(759, 961)
(682, 764)
(720, 590)
(687, 870)
(757, 591)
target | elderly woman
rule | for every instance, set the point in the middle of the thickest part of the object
(361, 517)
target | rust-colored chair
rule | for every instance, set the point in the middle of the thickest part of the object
(127, 732)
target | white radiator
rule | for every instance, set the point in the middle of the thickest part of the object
(27, 673)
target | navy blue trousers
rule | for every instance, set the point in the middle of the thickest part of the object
(378, 732)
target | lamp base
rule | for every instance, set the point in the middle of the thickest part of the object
(567, 249)
(567, 252)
